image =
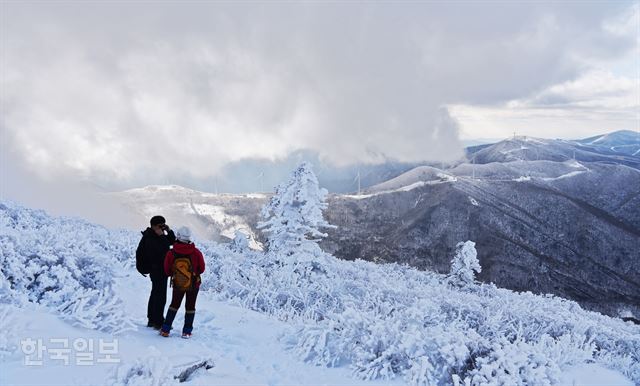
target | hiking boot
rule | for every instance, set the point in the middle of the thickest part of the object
(186, 335)
(164, 333)
(156, 326)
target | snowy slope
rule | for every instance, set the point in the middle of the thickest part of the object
(622, 142)
(244, 346)
(357, 322)
(504, 171)
(421, 174)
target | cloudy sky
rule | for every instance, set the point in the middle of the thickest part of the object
(120, 93)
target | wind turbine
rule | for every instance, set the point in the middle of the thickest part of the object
(358, 179)
(215, 185)
(473, 166)
(261, 178)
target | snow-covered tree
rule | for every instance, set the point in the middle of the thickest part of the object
(464, 264)
(293, 217)
(240, 242)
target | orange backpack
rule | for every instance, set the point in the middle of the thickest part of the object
(183, 277)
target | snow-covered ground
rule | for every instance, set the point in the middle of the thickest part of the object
(356, 323)
(244, 346)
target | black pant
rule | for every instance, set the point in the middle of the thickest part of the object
(158, 298)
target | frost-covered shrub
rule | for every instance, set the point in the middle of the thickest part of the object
(255, 281)
(529, 363)
(464, 264)
(381, 303)
(385, 348)
(152, 370)
(65, 264)
(627, 364)
(393, 321)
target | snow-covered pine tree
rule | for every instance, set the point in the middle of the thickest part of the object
(240, 242)
(464, 263)
(293, 218)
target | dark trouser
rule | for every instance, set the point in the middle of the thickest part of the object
(158, 298)
(190, 308)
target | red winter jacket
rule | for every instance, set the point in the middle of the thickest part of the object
(197, 260)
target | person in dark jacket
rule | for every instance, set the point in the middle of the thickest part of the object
(182, 248)
(156, 241)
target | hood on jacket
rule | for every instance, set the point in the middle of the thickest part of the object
(184, 248)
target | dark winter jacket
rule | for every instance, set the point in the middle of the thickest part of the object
(197, 260)
(152, 250)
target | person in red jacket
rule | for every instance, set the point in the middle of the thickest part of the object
(183, 247)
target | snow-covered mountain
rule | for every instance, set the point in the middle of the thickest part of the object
(411, 179)
(620, 142)
(620, 147)
(66, 280)
(259, 175)
(567, 228)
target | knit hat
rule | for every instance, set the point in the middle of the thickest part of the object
(184, 234)
(156, 220)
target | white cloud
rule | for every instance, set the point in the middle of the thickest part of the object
(596, 102)
(597, 89)
(130, 91)
(604, 96)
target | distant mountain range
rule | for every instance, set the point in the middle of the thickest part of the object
(620, 148)
(548, 216)
(567, 228)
